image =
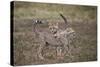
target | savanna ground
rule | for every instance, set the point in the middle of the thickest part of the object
(81, 18)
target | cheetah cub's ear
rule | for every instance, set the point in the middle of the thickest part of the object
(53, 25)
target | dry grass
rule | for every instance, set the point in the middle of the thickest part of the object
(81, 18)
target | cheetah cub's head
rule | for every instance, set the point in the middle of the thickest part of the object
(53, 27)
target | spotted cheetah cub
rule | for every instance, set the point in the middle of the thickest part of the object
(65, 36)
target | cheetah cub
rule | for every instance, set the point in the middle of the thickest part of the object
(65, 36)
